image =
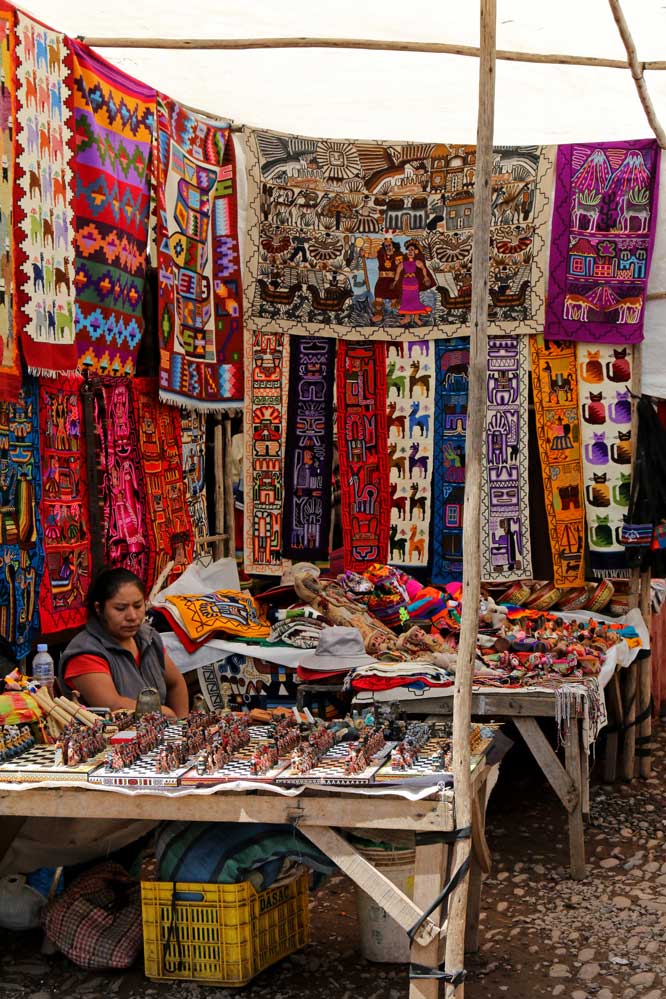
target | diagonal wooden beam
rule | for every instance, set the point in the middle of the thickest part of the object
(637, 71)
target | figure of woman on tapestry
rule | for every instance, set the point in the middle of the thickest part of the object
(411, 278)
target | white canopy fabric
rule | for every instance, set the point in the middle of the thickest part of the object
(398, 95)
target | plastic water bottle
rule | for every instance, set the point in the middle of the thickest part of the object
(42, 668)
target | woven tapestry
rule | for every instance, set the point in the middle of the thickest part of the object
(10, 365)
(64, 506)
(448, 480)
(308, 457)
(158, 427)
(200, 306)
(604, 382)
(43, 191)
(365, 500)
(505, 527)
(410, 408)
(126, 535)
(114, 117)
(193, 437)
(366, 240)
(21, 549)
(266, 367)
(555, 389)
(604, 224)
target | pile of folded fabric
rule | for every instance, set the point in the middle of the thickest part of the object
(196, 618)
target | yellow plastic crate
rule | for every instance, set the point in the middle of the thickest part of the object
(221, 934)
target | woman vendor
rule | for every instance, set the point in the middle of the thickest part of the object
(118, 654)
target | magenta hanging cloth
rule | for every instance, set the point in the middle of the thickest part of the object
(602, 237)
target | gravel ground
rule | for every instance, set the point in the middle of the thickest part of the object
(541, 933)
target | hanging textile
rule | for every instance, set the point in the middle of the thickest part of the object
(365, 502)
(448, 482)
(158, 427)
(366, 240)
(21, 549)
(505, 530)
(10, 365)
(410, 408)
(266, 367)
(308, 458)
(114, 118)
(193, 437)
(603, 231)
(64, 506)
(555, 389)
(127, 538)
(604, 381)
(43, 190)
(200, 307)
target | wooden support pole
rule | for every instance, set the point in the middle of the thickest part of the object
(475, 428)
(230, 516)
(572, 754)
(218, 461)
(637, 71)
(645, 686)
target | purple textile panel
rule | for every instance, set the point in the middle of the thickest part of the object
(603, 231)
(306, 510)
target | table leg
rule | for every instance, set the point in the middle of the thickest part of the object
(629, 745)
(615, 722)
(480, 865)
(572, 758)
(429, 879)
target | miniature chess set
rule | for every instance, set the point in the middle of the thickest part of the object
(72, 758)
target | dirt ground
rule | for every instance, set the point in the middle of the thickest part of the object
(541, 933)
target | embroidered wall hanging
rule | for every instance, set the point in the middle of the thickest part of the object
(365, 501)
(10, 365)
(158, 426)
(308, 457)
(64, 506)
(555, 389)
(43, 190)
(127, 538)
(604, 381)
(266, 367)
(200, 293)
(363, 240)
(193, 437)
(505, 530)
(114, 118)
(410, 408)
(21, 549)
(448, 482)
(604, 223)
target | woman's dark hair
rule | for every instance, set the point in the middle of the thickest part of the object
(106, 584)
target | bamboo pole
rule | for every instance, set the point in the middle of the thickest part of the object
(229, 490)
(476, 418)
(218, 460)
(366, 44)
(637, 71)
(645, 686)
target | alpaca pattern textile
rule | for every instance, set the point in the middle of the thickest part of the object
(114, 118)
(410, 408)
(193, 437)
(266, 367)
(365, 502)
(10, 365)
(158, 426)
(126, 535)
(306, 510)
(603, 231)
(21, 548)
(43, 181)
(505, 533)
(604, 381)
(448, 481)
(200, 292)
(64, 506)
(555, 389)
(368, 240)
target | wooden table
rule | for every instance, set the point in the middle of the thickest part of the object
(318, 814)
(570, 780)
